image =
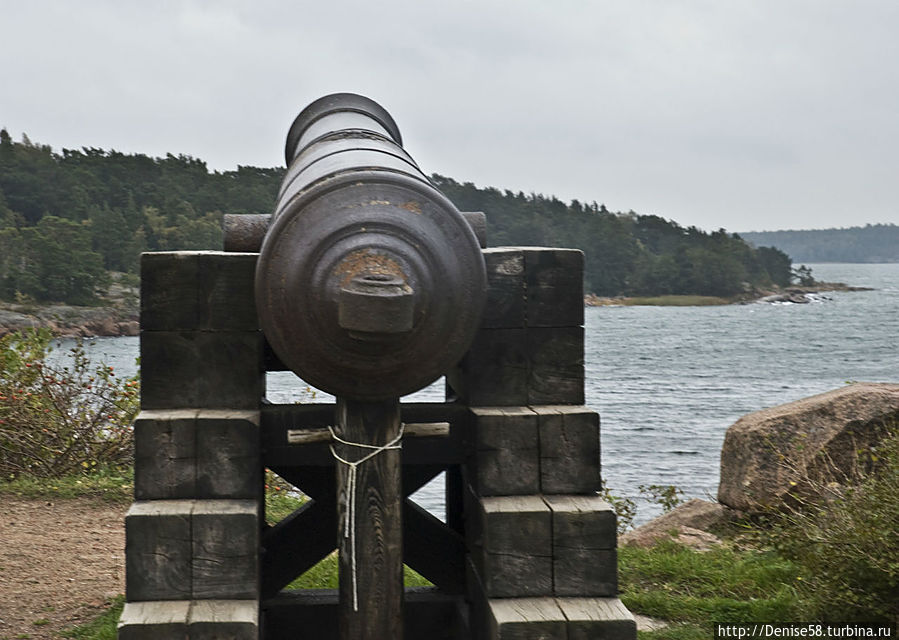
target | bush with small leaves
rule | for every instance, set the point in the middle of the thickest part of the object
(62, 416)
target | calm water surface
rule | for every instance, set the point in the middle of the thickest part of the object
(669, 381)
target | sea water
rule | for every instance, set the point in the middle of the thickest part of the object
(669, 381)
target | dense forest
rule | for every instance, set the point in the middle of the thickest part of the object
(871, 243)
(67, 220)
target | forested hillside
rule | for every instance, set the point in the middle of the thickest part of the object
(871, 243)
(67, 219)
(626, 253)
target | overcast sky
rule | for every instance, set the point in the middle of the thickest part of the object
(742, 114)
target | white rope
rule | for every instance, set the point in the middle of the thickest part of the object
(349, 523)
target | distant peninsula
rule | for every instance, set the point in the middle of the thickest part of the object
(873, 243)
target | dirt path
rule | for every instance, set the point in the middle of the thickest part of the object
(60, 562)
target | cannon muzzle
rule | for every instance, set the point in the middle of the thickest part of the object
(370, 284)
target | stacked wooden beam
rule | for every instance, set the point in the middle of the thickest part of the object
(192, 534)
(541, 542)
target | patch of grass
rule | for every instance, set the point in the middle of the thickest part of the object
(102, 627)
(673, 582)
(324, 576)
(109, 484)
(280, 501)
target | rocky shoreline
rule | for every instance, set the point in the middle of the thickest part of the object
(794, 294)
(118, 314)
(66, 321)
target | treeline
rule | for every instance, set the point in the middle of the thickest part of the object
(625, 253)
(871, 243)
(67, 220)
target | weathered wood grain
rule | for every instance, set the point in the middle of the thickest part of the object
(165, 455)
(526, 619)
(555, 287)
(583, 546)
(225, 292)
(154, 620)
(378, 527)
(217, 619)
(228, 454)
(494, 371)
(198, 291)
(591, 618)
(506, 292)
(225, 549)
(569, 449)
(158, 550)
(503, 454)
(555, 358)
(510, 543)
(192, 369)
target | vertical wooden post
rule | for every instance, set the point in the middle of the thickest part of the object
(370, 542)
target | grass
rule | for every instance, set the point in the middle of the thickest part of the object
(107, 484)
(102, 627)
(687, 588)
(693, 589)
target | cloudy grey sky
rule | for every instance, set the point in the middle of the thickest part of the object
(743, 114)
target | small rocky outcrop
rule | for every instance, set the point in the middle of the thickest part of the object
(68, 321)
(793, 448)
(688, 524)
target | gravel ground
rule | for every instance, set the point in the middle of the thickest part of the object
(60, 563)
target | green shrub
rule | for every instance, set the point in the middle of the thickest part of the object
(847, 545)
(64, 416)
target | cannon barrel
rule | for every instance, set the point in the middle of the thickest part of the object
(370, 283)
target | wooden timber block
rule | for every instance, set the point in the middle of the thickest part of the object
(183, 549)
(154, 620)
(165, 455)
(555, 287)
(591, 618)
(569, 449)
(226, 291)
(502, 451)
(525, 619)
(559, 619)
(187, 453)
(506, 290)
(494, 371)
(198, 290)
(188, 369)
(191, 620)
(511, 547)
(231, 619)
(555, 358)
(168, 290)
(228, 454)
(225, 549)
(158, 550)
(584, 538)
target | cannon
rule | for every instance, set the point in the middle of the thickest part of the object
(370, 283)
(367, 283)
